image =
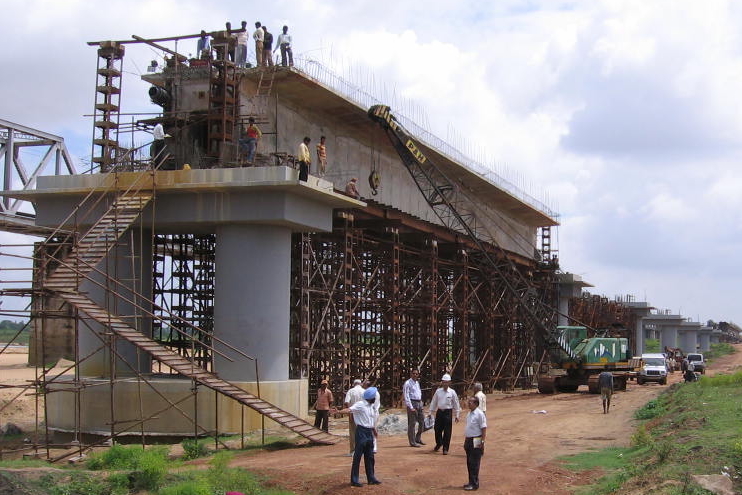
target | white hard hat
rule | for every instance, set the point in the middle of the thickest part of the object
(446, 378)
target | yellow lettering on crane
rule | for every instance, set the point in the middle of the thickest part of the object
(415, 152)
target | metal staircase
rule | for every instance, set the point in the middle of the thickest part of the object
(81, 261)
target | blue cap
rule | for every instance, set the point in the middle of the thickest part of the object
(369, 393)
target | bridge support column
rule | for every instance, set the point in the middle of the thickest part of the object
(251, 300)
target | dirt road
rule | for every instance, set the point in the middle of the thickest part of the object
(522, 447)
(523, 443)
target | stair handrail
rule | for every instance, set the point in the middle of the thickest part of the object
(153, 315)
(102, 192)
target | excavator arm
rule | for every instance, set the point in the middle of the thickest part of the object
(456, 212)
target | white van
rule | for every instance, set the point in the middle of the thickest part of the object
(654, 369)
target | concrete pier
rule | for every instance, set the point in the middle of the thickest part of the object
(252, 212)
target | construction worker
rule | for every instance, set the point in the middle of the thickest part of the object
(284, 43)
(605, 385)
(305, 159)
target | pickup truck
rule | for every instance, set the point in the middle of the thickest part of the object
(699, 365)
(654, 369)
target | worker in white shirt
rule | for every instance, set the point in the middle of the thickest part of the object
(365, 416)
(480, 395)
(445, 405)
(352, 396)
(284, 43)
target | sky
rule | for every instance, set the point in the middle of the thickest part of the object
(625, 116)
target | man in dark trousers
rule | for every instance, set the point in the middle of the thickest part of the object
(365, 416)
(474, 433)
(445, 405)
(322, 406)
(605, 385)
(305, 159)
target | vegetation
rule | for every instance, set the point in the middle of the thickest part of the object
(9, 330)
(651, 345)
(718, 350)
(692, 428)
(124, 470)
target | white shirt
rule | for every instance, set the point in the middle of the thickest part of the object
(445, 399)
(258, 34)
(284, 39)
(475, 421)
(482, 400)
(354, 395)
(411, 391)
(364, 414)
(242, 38)
(158, 132)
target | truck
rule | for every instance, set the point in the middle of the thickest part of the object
(593, 356)
(653, 369)
(696, 359)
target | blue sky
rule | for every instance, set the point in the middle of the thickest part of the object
(626, 115)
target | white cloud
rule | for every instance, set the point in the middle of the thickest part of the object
(627, 113)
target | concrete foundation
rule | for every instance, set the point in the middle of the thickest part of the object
(212, 411)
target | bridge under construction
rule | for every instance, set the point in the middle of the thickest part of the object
(198, 292)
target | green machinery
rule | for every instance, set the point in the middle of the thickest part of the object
(591, 356)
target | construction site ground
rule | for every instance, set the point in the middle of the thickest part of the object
(527, 434)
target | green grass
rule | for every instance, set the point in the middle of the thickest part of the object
(651, 345)
(123, 470)
(691, 428)
(9, 329)
(718, 350)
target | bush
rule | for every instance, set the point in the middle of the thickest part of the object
(193, 449)
(650, 410)
(148, 467)
(641, 438)
(150, 470)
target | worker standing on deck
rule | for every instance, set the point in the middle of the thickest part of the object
(267, 48)
(321, 157)
(365, 415)
(242, 46)
(284, 43)
(605, 385)
(413, 399)
(445, 405)
(258, 37)
(305, 159)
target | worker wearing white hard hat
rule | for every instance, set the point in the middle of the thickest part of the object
(445, 405)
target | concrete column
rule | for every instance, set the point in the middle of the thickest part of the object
(668, 336)
(639, 333)
(128, 263)
(251, 300)
(688, 339)
(704, 339)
